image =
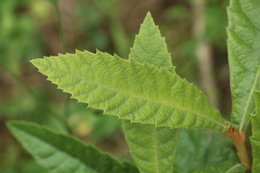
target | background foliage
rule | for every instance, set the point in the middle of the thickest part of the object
(29, 29)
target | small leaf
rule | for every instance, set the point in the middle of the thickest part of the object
(244, 57)
(255, 138)
(61, 153)
(150, 47)
(138, 92)
(152, 148)
(153, 152)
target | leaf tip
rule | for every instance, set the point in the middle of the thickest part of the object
(12, 125)
(149, 14)
(36, 62)
(148, 18)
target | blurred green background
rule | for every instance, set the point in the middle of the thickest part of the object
(36, 28)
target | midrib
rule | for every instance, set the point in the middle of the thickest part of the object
(241, 127)
(155, 149)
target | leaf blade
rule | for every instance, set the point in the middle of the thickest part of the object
(123, 88)
(203, 148)
(243, 55)
(153, 152)
(150, 46)
(62, 153)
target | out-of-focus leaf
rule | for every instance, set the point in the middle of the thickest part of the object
(120, 39)
(199, 148)
(53, 1)
(61, 153)
(19, 38)
(90, 123)
(238, 168)
(215, 24)
(24, 166)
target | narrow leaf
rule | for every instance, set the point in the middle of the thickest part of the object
(138, 92)
(255, 138)
(152, 148)
(61, 153)
(244, 56)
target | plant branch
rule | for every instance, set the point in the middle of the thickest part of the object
(239, 140)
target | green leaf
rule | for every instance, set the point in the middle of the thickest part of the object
(238, 168)
(23, 166)
(255, 138)
(152, 148)
(150, 47)
(244, 56)
(61, 153)
(53, 1)
(138, 92)
(200, 148)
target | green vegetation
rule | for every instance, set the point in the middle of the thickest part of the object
(169, 124)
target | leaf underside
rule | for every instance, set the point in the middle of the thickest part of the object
(61, 153)
(255, 138)
(138, 92)
(244, 56)
(152, 148)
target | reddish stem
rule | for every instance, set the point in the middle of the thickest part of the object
(239, 139)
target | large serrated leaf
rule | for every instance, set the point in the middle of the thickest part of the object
(244, 56)
(255, 138)
(138, 92)
(152, 148)
(64, 154)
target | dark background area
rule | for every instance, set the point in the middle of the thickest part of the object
(195, 31)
